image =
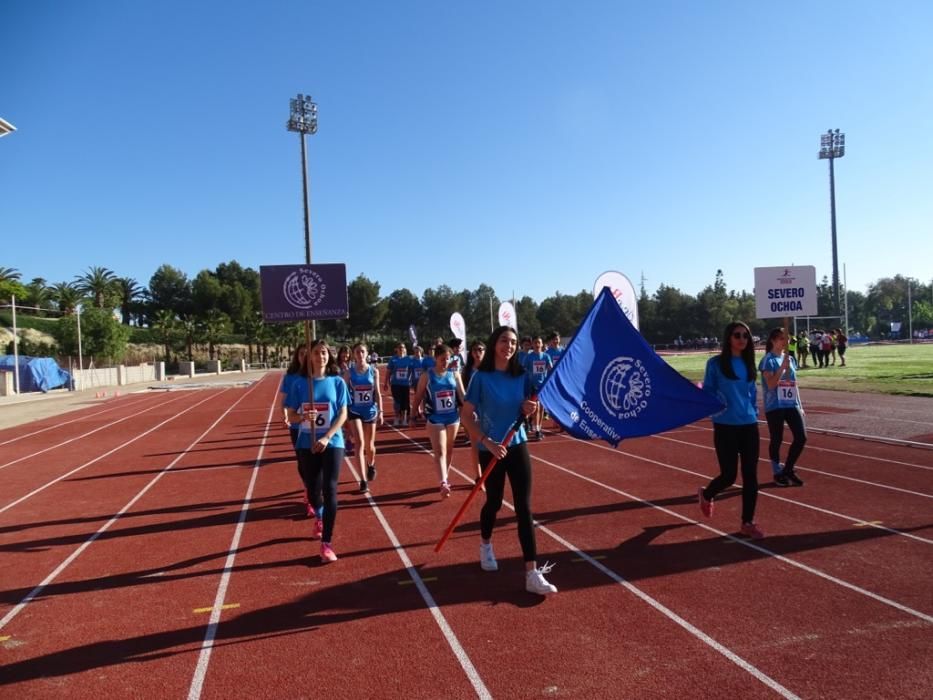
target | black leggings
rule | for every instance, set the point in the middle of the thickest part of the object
(733, 442)
(517, 464)
(322, 468)
(794, 419)
(402, 398)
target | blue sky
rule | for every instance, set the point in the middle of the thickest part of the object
(527, 145)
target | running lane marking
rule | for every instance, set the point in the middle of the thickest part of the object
(748, 543)
(106, 454)
(842, 516)
(655, 604)
(207, 646)
(84, 435)
(73, 420)
(106, 526)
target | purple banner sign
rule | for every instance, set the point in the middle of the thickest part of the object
(303, 292)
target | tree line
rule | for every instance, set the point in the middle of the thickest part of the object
(223, 306)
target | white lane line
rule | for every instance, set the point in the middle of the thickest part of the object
(748, 543)
(465, 663)
(655, 604)
(207, 646)
(82, 417)
(106, 526)
(811, 470)
(855, 455)
(766, 494)
(84, 435)
(100, 457)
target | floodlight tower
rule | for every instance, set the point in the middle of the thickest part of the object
(832, 146)
(303, 119)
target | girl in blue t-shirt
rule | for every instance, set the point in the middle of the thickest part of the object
(398, 376)
(538, 364)
(497, 395)
(477, 351)
(441, 387)
(365, 411)
(418, 367)
(321, 409)
(293, 372)
(782, 405)
(731, 376)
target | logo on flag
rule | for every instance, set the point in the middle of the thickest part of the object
(304, 288)
(625, 387)
(610, 385)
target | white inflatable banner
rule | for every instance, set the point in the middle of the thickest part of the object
(458, 326)
(507, 316)
(623, 291)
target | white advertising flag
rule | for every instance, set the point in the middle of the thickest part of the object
(623, 292)
(507, 316)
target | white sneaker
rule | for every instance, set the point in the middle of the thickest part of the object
(536, 583)
(487, 560)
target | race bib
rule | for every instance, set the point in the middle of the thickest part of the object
(539, 367)
(401, 374)
(362, 395)
(321, 419)
(787, 394)
(444, 401)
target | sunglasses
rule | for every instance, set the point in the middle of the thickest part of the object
(740, 335)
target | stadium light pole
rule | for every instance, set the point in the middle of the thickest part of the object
(302, 119)
(832, 146)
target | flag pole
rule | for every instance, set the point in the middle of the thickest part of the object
(482, 480)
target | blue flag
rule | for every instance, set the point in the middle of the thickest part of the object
(610, 385)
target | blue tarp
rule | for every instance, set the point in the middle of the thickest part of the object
(36, 373)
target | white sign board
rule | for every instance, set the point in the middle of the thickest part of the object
(785, 291)
(623, 291)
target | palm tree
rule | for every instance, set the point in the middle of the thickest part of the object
(252, 327)
(213, 326)
(129, 291)
(165, 326)
(190, 330)
(39, 293)
(66, 296)
(97, 283)
(10, 274)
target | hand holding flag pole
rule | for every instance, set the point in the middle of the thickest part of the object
(482, 480)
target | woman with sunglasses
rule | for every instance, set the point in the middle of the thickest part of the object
(731, 376)
(782, 405)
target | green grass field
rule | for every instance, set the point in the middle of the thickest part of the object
(881, 369)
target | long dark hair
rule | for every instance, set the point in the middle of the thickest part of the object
(471, 365)
(488, 363)
(294, 366)
(775, 333)
(748, 353)
(331, 369)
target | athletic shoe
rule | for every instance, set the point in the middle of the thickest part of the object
(536, 583)
(311, 513)
(327, 554)
(487, 560)
(395, 423)
(404, 422)
(706, 507)
(318, 530)
(794, 479)
(752, 530)
(781, 479)
(538, 435)
(445, 490)
(371, 472)
(364, 487)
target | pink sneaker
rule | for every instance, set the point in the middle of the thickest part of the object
(318, 530)
(445, 490)
(327, 554)
(706, 507)
(752, 530)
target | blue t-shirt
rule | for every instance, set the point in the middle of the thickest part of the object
(785, 394)
(287, 382)
(537, 364)
(363, 392)
(740, 395)
(399, 369)
(554, 353)
(498, 399)
(330, 395)
(441, 404)
(417, 369)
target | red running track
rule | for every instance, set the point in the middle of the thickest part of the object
(162, 551)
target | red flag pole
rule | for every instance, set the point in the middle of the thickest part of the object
(482, 480)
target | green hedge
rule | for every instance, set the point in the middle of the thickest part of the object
(43, 325)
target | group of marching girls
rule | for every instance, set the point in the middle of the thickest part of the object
(732, 376)
(318, 400)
